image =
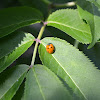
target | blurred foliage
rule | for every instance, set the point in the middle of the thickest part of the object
(61, 1)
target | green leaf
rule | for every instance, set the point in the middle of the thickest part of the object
(73, 67)
(13, 18)
(69, 21)
(20, 92)
(12, 49)
(42, 84)
(91, 14)
(96, 2)
(10, 81)
(10, 42)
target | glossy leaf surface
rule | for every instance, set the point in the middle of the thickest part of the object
(13, 18)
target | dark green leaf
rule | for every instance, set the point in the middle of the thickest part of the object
(20, 92)
(10, 81)
(16, 17)
(73, 66)
(11, 49)
(41, 5)
(42, 84)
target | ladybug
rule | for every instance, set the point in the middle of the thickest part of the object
(50, 48)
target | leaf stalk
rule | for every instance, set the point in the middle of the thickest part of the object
(36, 45)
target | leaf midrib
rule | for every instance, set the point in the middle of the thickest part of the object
(39, 84)
(13, 84)
(20, 47)
(66, 26)
(17, 47)
(19, 23)
(11, 58)
(68, 75)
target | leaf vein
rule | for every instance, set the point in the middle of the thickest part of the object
(70, 77)
(66, 26)
(39, 84)
(18, 23)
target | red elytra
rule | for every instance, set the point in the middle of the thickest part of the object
(50, 48)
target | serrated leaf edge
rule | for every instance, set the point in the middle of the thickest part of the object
(19, 45)
(63, 67)
(68, 9)
(9, 54)
(69, 26)
(13, 84)
(68, 75)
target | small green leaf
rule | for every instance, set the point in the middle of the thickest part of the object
(10, 81)
(69, 21)
(73, 67)
(14, 48)
(42, 84)
(13, 18)
(91, 14)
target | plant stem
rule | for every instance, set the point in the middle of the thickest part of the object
(41, 32)
(69, 4)
(34, 54)
(36, 45)
(76, 44)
